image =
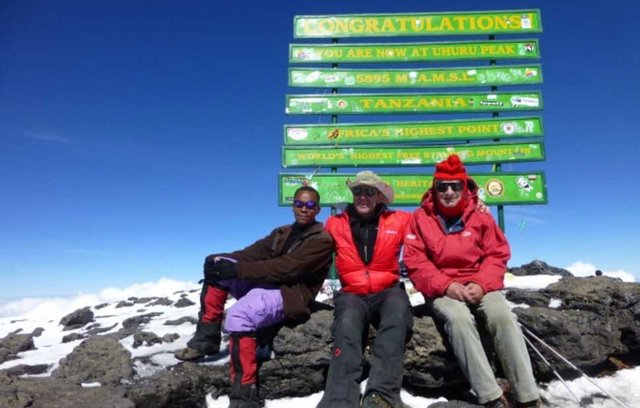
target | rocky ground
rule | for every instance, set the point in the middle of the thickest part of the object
(594, 322)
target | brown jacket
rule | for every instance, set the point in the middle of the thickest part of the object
(300, 271)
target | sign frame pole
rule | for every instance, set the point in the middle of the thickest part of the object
(498, 166)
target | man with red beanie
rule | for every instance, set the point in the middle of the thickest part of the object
(456, 257)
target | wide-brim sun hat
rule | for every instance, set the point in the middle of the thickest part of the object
(370, 179)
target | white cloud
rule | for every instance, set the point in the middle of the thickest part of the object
(45, 137)
(59, 306)
(163, 287)
(580, 268)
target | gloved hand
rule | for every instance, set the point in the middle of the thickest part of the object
(220, 270)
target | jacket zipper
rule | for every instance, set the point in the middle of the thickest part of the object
(366, 257)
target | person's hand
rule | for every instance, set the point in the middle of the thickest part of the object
(219, 269)
(475, 292)
(482, 207)
(457, 291)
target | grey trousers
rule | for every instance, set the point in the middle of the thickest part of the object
(460, 324)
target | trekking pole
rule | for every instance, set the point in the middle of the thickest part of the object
(570, 364)
(552, 369)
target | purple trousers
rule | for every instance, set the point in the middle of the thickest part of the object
(258, 306)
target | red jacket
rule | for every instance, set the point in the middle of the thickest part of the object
(434, 259)
(383, 270)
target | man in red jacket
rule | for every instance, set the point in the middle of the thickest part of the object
(456, 257)
(275, 279)
(368, 238)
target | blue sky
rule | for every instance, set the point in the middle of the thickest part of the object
(138, 137)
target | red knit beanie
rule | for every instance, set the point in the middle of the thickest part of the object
(451, 169)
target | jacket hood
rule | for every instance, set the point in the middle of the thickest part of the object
(429, 205)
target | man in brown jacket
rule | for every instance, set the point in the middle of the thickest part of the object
(275, 280)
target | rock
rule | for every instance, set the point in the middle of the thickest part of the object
(137, 321)
(145, 337)
(185, 319)
(13, 344)
(5, 354)
(101, 306)
(37, 332)
(600, 294)
(161, 302)
(23, 369)
(597, 319)
(98, 359)
(48, 393)
(302, 359)
(183, 302)
(581, 336)
(77, 319)
(186, 385)
(73, 337)
(11, 396)
(528, 297)
(141, 300)
(429, 364)
(124, 303)
(98, 329)
(170, 337)
(302, 354)
(538, 268)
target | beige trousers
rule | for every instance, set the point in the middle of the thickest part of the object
(460, 324)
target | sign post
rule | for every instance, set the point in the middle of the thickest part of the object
(459, 94)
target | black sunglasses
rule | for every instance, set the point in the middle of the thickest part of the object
(367, 191)
(442, 187)
(309, 204)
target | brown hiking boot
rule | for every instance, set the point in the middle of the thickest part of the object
(205, 342)
(374, 400)
(501, 402)
(188, 354)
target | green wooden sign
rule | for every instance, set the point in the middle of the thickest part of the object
(415, 78)
(394, 132)
(494, 188)
(414, 52)
(413, 103)
(422, 24)
(410, 156)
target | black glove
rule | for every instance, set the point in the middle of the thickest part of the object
(223, 269)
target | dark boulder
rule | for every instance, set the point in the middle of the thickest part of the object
(184, 319)
(14, 343)
(138, 300)
(161, 302)
(98, 359)
(51, 393)
(73, 337)
(538, 268)
(147, 338)
(25, 369)
(186, 385)
(183, 302)
(77, 319)
(137, 321)
(528, 297)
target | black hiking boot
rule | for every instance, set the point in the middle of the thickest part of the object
(501, 402)
(244, 396)
(206, 341)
